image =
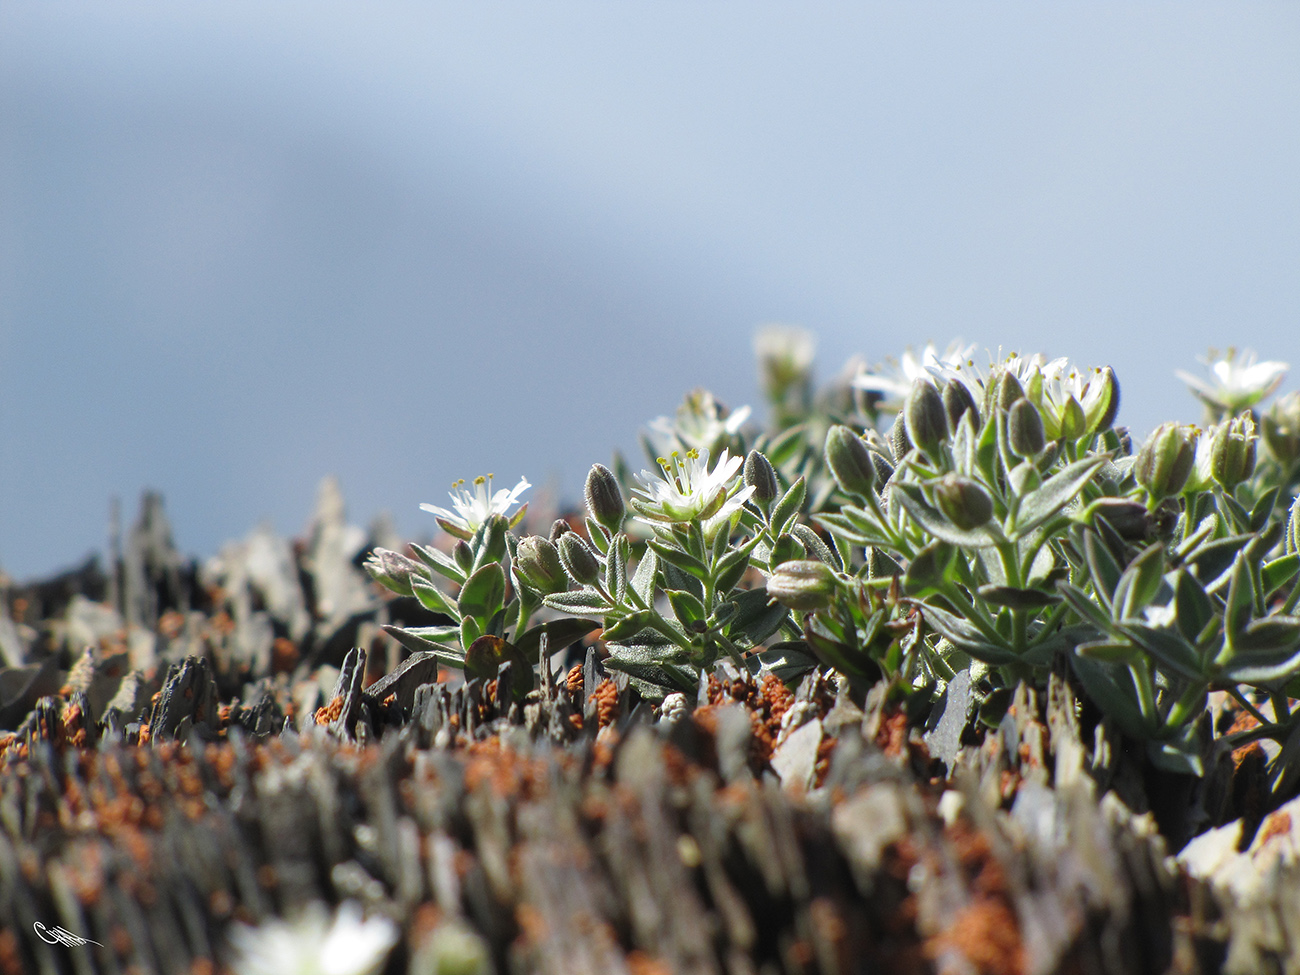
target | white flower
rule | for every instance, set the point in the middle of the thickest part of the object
(701, 423)
(688, 491)
(312, 945)
(1237, 381)
(894, 379)
(473, 509)
(785, 347)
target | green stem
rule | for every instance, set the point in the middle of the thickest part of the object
(1146, 691)
(1182, 711)
(1254, 712)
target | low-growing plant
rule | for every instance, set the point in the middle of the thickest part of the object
(908, 522)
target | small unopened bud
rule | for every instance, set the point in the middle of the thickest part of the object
(1232, 457)
(558, 527)
(1104, 406)
(963, 502)
(1280, 427)
(604, 500)
(1025, 429)
(463, 555)
(957, 402)
(884, 469)
(1130, 519)
(392, 570)
(1165, 461)
(899, 441)
(803, 585)
(578, 559)
(849, 461)
(927, 421)
(537, 562)
(1074, 422)
(1009, 390)
(760, 475)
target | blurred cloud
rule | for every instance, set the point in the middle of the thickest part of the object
(243, 246)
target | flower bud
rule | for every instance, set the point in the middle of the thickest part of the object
(1103, 405)
(604, 500)
(899, 441)
(1074, 422)
(1130, 519)
(957, 401)
(1281, 429)
(393, 570)
(884, 469)
(963, 501)
(1025, 429)
(760, 475)
(1232, 456)
(927, 420)
(463, 555)
(537, 562)
(802, 585)
(578, 559)
(558, 527)
(1165, 460)
(1292, 541)
(1009, 390)
(849, 461)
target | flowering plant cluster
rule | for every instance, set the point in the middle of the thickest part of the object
(908, 522)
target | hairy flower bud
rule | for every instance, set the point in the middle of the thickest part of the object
(899, 441)
(957, 401)
(604, 500)
(884, 469)
(849, 461)
(1165, 460)
(558, 527)
(963, 501)
(803, 585)
(927, 420)
(1008, 390)
(760, 475)
(1232, 456)
(1280, 427)
(463, 555)
(393, 570)
(537, 562)
(1025, 429)
(1103, 406)
(578, 559)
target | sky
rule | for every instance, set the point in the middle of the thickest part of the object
(244, 246)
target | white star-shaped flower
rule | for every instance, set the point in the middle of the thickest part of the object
(687, 490)
(1237, 380)
(312, 944)
(894, 379)
(475, 507)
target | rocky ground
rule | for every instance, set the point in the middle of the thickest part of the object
(185, 748)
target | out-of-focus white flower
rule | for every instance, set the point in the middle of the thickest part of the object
(785, 356)
(476, 506)
(687, 490)
(312, 944)
(701, 423)
(1237, 381)
(893, 379)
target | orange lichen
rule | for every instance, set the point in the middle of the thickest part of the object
(573, 680)
(330, 712)
(1278, 824)
(606, 698)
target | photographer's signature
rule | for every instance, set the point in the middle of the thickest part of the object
(60, 936)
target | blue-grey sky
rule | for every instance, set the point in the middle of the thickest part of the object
(246, 245)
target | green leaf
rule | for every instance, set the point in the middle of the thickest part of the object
(432, 598)
(643, 579)
(1109, 651)
(410, 638)
(486, 655)
(686, 607)
(664, 665)
(1015, 598)
(1140, 582)
(787, 661)
(1168, 647)
(559, 634)
(730, 570)
(933, 521)
(755, 618)
(630, 625)
(439, 563)
(578, 602)
(675, 556)
(1240, 599)
(1102, 682)
(787, 509)
(1213, 559)
(1057, 492)
(1084, 605)
(1263, 508)
(1279, 572)
(966, 636)
(597, 535)
(926, 572)
(1102, 567)
(813, 544)
(484, 592)
(616, 568)
(470, 630)
(1181, 757)
(1192, 607)
(787, 549)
